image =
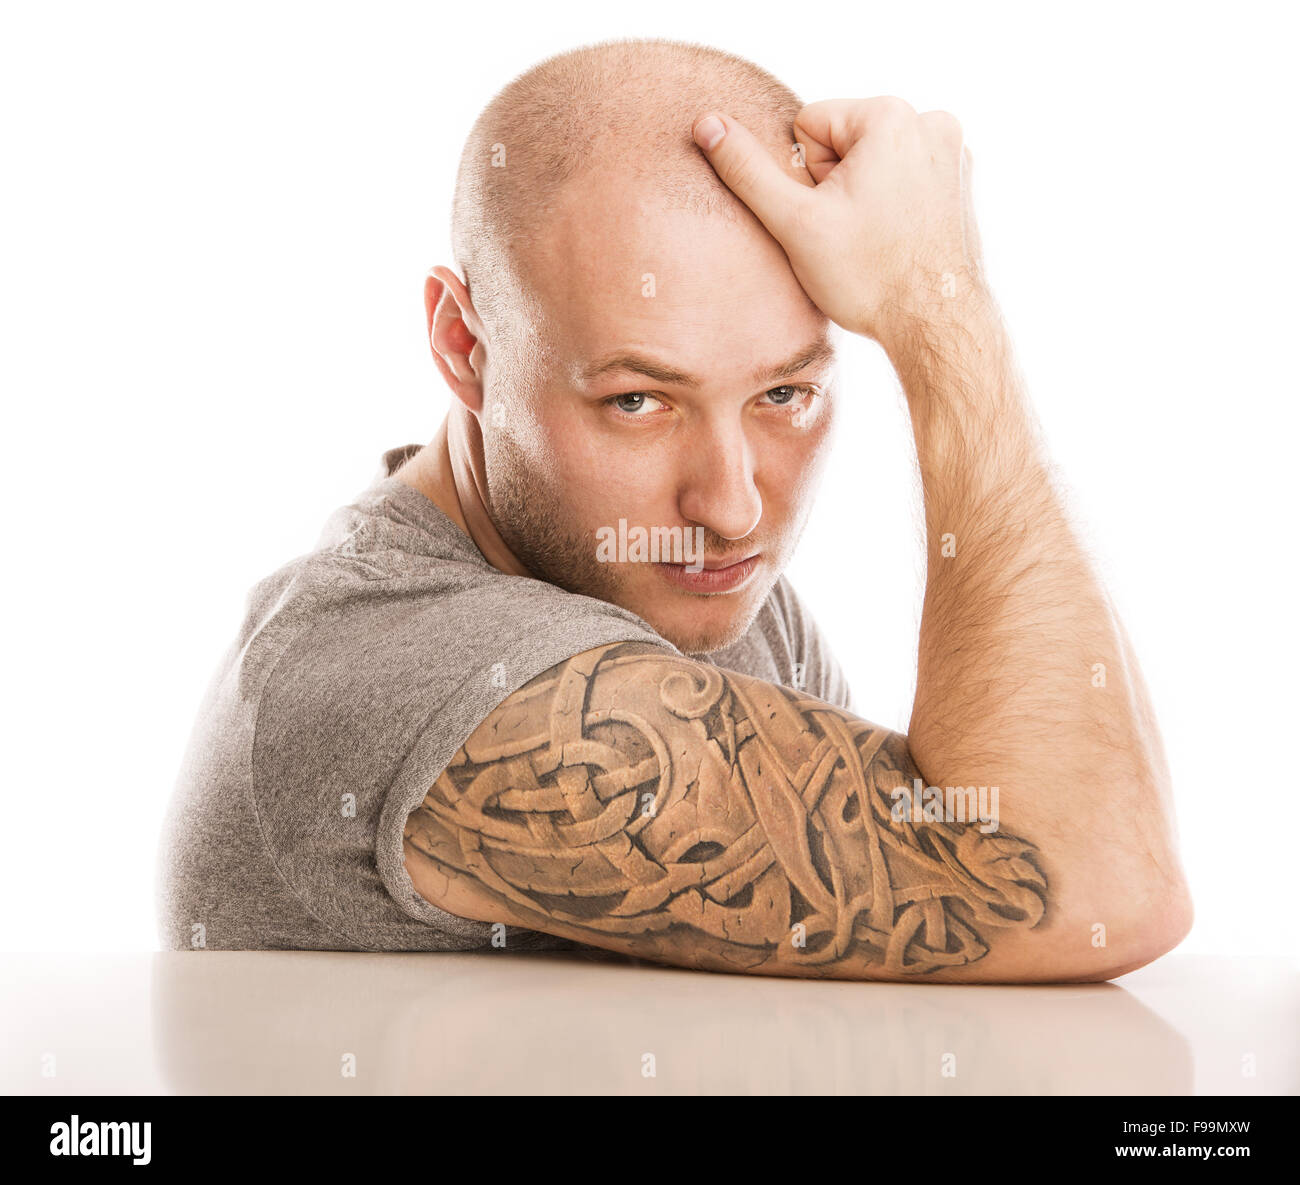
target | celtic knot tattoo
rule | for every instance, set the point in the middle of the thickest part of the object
(632, 793)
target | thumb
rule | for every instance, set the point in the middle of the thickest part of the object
(749, 170)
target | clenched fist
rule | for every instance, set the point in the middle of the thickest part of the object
(887, 234)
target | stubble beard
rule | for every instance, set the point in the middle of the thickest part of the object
(519, 503)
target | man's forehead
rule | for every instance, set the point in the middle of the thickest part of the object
(626, 214)
(618, 221)
(621, 276)
(639, 256)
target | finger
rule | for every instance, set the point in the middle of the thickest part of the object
(750, 171)
(819, 154)
(837, 124)
(831, 125)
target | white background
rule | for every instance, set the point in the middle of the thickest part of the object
(216, 223)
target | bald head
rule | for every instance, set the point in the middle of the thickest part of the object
(597, 121)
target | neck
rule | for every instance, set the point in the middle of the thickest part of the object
(451, 473)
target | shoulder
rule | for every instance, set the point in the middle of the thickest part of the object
(818, 671)
(784, 645)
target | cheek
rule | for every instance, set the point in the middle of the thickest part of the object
(553, 445)
(636, 485)
(792, 463)
(595, 482)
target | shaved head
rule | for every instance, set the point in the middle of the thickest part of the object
(613, 114)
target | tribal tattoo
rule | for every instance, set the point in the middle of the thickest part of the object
(634, 799)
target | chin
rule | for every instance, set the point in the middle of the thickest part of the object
(700, 625)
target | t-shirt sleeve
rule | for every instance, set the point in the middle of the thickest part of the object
(366, 707)
(525, 642)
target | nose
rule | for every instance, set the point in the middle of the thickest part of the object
(717, 489)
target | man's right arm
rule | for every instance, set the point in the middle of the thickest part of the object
(1025, 676)
(639, 801)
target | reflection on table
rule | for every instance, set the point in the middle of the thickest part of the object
(495, 1021)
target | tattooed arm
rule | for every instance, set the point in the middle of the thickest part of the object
(639, 801)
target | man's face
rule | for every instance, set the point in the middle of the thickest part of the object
(728, 443)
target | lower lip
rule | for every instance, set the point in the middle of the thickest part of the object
(711, 580)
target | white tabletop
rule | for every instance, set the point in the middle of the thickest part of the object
(273, 1022)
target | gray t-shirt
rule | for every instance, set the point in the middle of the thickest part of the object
(359, 670)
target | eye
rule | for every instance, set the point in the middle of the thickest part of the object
(634, 404)
(791, 395)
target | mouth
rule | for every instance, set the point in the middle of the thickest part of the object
(717, 576)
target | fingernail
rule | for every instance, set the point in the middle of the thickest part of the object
(709, 131)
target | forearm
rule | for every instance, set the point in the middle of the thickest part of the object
(1025, 678)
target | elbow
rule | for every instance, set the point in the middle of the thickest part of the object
(1165, 919)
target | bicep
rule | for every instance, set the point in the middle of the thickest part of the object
(637, 800)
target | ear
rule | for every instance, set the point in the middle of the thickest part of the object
(455, 336)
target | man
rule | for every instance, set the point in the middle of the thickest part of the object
(543, 683)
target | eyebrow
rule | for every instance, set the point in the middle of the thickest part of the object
(818, 352)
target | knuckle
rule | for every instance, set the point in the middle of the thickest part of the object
(945, 124)
(801, 216)
(891, 107)
(743, 172)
